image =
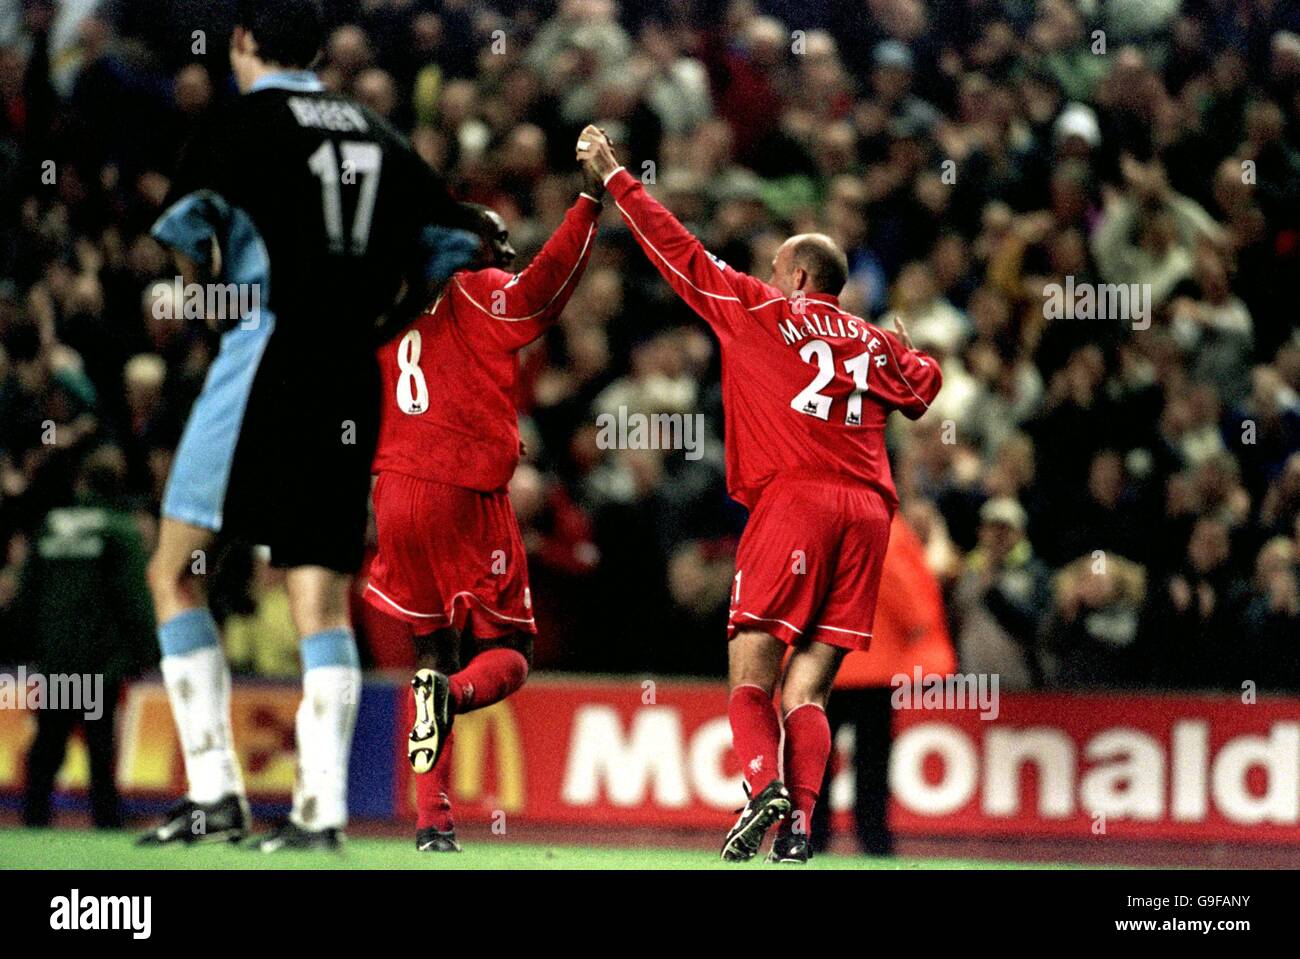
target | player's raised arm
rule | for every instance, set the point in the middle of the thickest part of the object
(715, 291)
(908, 379)
(520, 306)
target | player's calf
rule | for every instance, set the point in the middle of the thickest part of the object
(809, 676)
(494, 673)
(435, 830)
(331, 694)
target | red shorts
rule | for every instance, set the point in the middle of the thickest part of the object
(809, 562)
(449, 556)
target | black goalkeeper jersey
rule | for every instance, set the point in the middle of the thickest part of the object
(317, 198)
(311, 214)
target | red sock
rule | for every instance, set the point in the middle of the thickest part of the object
(432, 805)
(755, 735)
(807, 750)
(488, 678)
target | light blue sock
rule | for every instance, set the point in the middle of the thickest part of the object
(330, 647)
(185, 632)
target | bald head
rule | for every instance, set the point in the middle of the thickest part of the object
(811, 262)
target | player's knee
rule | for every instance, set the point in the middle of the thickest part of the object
(159, 574)
(794, 695)
(312, 618)
(168, 585)
(522, 643)
(752, 662)
(317, 611)
(740, 678)
(318, 600)
(438, 650)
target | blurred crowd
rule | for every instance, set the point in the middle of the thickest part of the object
(1105, 500)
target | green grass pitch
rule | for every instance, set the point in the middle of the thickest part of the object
(78, 849)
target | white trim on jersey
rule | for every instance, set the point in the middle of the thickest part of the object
(591, 230)
(763, 619)
(686, 279)
(402, 609)
(834, 629)
(839, 629)
(901, 375)
(510, 619)
(486, 608)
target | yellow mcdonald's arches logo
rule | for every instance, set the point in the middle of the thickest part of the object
(470, 756)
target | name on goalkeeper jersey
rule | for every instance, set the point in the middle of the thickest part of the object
(335, 115)
(827, 326)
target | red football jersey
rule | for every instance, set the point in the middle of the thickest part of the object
(449, 380)
(805, 386)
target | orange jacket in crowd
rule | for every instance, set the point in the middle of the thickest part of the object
(911, 628)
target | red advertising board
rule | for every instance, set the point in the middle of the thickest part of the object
(1171, 767)
(1174, 767)
(626, 753)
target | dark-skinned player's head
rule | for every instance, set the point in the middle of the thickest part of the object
(810, 263)
(274, 35)
(494, 240)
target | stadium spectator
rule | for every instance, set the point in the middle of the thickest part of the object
(1191, 616)
(1000, 600)
(1092, 637)
(1270, 626)
(82, 611)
